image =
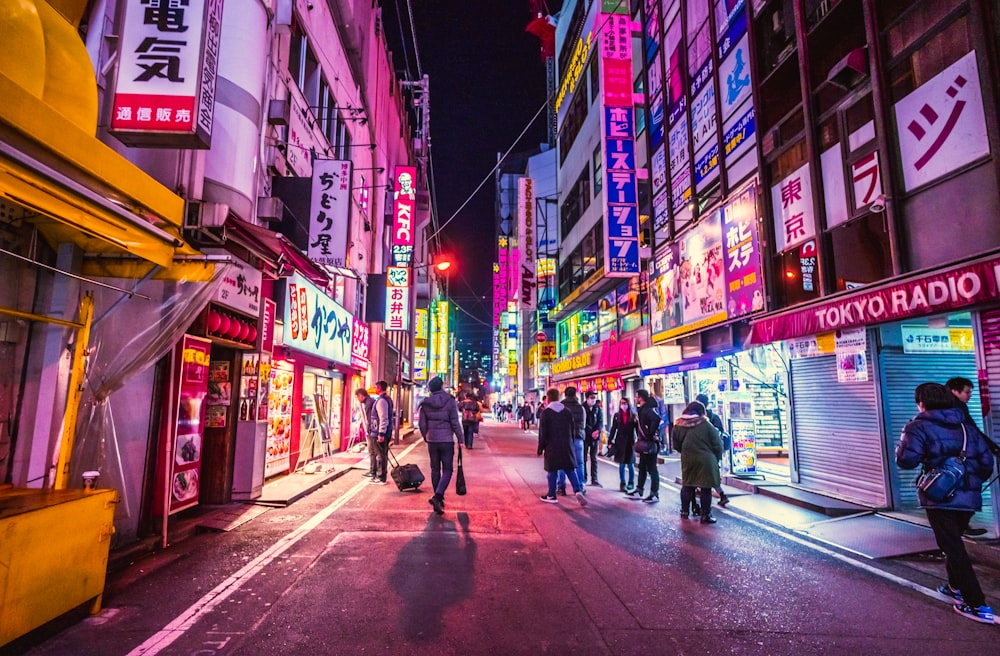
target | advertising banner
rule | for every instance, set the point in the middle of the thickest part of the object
(942, 291)
(193, 355)
(168, 57)
(315, 323)
(744, 276)
(397, 276)
(665, 291)
(852, 361)
(941, 125)
(397, 298)
(329, 212)
(924, 339)
(526, 219)
(701, 274)
(360, 343)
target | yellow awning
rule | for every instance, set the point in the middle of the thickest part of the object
(50, 161)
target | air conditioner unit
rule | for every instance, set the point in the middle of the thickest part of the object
(278, 112)
(212, 215)
(850, 70)
(269, 209)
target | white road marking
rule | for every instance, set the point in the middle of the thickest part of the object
(183, 622)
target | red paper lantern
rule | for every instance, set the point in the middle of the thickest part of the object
(244, 332)
(214, 320)
(223, 325)
(235, 326)
(253, 334)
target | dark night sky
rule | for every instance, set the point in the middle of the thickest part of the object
(486, 82)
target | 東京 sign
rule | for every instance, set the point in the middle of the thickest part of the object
(951, 289)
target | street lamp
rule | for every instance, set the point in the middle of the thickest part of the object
(441, 263)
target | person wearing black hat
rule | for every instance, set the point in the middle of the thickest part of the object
(439, 423)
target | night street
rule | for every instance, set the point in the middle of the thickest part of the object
(356, 568)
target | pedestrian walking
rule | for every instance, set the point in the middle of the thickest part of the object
(961, 389)
(647, 432)
(471, 416)
(661, 408)
(571, 403)
(716, 421)
(366, 403)
(382, 421)
(525, 413)
(700, 446)
(593, 427)
(938, 432)
(557, 432)
(438, 423)
(621, 443)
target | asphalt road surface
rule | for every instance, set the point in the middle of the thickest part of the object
(363, 569)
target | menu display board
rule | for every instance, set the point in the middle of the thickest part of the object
(743, 454)
(193, 356)
(279, 419)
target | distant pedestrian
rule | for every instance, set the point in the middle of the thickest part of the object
(647, 428)
(438, 423)
(366, 403)
(621, 443)
(524, 414)
(382, 422)
(716, 421)
(594, 425)
(556, 437)
(940, 431)
(471, 416)
(661, 408)
(579, 415)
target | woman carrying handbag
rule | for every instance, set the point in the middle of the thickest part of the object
(621, 443)
(647, 446)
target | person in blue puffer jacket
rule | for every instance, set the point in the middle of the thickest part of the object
(935, 434)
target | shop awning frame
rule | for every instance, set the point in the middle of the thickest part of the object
(274, 248)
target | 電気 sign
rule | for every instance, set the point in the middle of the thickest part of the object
(168, 59)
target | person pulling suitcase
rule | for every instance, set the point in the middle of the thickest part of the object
(440, 425)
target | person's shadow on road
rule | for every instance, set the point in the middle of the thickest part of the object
(434, 571)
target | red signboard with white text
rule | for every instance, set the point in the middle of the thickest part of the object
(942, 291)
(168, 60)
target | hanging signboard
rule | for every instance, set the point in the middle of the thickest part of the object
(315, 323)
(168, 59)
(329, 212)
(193, 356)
(794, 222)
(741, 254)
(240, 288)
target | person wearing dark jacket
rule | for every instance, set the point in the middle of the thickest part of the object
(700, 446)
(556, 430)
(571, 403)
(716, 421)
(593, 427)
(366, 402)
(438, 424)
(621, 443)
(471, 416)
(647, 428)
(961, 389)
(938, 432)
(382, 422)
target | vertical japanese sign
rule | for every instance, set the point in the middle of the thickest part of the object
(621, 216)
(193, 355)
(701, 272)
(168, 60)
(397, 276)
(440, 335)
(665, 290)
(420, 337)
(794, 222)
(942, 125)
(329, 212)
(397, 298)
(360, 343)
(741, 253)
(526, 216)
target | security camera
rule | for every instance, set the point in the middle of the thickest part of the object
(878, 205)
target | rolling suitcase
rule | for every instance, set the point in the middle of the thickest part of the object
(406, 477)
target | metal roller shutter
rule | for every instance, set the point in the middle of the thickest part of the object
(837, 437)
(989, 328)
(901, 373)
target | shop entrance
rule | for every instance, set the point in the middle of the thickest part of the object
(322, 400)
(915, 351)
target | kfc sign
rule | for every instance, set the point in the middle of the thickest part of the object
(168, 59)
(397, 276)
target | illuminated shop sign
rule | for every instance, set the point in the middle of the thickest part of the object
(168, 59)
(329, 212)
(315, 323)
(397, 276)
